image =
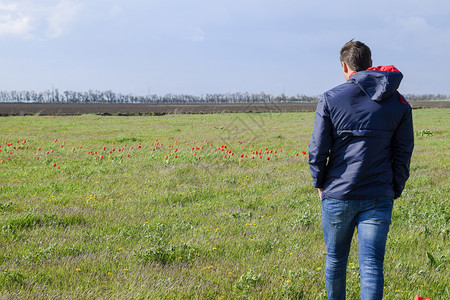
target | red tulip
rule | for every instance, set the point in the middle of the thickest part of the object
(304, 152)
(420, 298)
(54, 165)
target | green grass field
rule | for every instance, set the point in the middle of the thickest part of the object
(216, 206)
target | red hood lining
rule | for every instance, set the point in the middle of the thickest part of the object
(390, 68)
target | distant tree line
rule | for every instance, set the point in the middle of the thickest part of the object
(426, 97)
(56, 96)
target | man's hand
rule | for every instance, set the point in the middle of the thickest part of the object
(320, 193)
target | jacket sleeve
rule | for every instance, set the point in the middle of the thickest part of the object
(402, 149)
(321, 142)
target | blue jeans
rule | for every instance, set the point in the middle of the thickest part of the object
(372, 219)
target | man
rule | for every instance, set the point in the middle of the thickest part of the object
(359, 157)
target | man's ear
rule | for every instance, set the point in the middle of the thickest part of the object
(344, 67)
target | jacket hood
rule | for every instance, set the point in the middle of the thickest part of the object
(378, 82)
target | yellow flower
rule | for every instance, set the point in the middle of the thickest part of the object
(288, 281)
(319, 268)
(78, 269)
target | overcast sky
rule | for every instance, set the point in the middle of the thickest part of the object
(217, 46)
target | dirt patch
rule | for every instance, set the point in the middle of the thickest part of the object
(50, 109)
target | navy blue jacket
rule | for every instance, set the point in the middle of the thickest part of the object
(363, 137)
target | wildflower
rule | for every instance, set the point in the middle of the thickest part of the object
(78, 269)
(420, 298)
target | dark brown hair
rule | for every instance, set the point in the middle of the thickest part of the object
(356, 55)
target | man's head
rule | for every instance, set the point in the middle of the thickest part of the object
(355, 56)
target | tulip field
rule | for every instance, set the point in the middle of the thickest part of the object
(199, 206)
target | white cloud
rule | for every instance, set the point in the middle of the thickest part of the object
(115, 11)
(195, 34)
(60, 16)
(12, 21)
(27, 19)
